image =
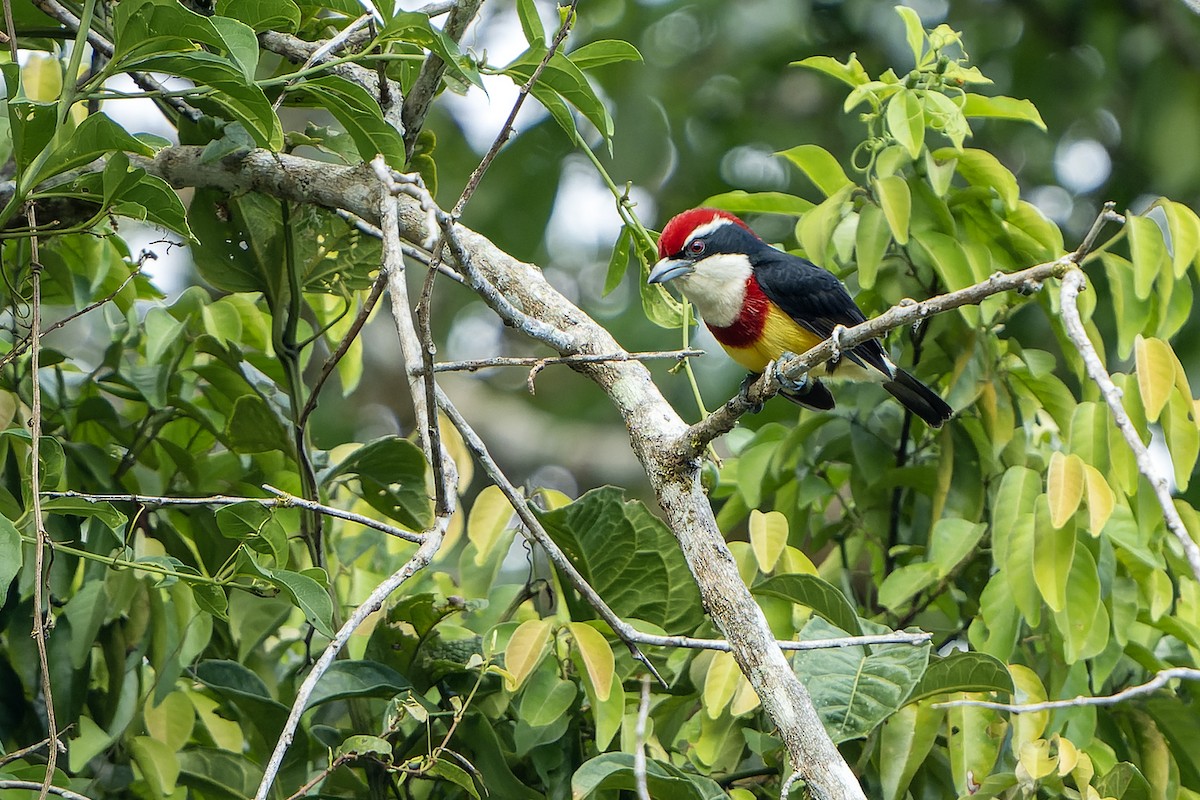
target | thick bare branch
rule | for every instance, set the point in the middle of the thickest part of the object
(416, 105)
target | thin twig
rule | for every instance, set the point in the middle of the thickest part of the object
(325, 49)
(538, 364)
(906, 312)
(320, 776)
(639, 752)
(343, 346)
(1073, 283)
(20, 347)
(506, 131)
(33, 786)
(281, 500)
(374, 602)
(1157, 682)
(24, 751)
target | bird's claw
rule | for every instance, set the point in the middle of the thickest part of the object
(789, 384)
(835, 342)
(753, 406)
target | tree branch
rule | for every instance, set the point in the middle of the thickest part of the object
(416, 104)
(1072, 284)
(1157, 682)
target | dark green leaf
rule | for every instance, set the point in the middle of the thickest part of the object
(809, 590)
(245, 690)
(531, 23)
(615, 771)
(151, 27)
(358, 112)
(618, 263)
(32, 124)
(1126, 782)
(566, 80)
(219, 773)
(962, 672)
(853, 690)
(253, 427)
(306, 594)
(629, 557)
(414, 27)
(391, 471)
(76, 507)
(262, 15)
(346, 679)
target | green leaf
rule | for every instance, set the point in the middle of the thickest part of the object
(615, 771)
(31, 124)
(145, 28)
(263, 15)
(391, 472)
(1002, 107)
(1064, 487)
(944, 116)
(948, 259)
(444, 769)
(1183, 437)
(914, 33)
(962, 672)
(1053, 552)
(808, 590)
(742, 202)
(629, 557)
(358, 113)
(77, 507)
(11, 555)
(1125, 781)
(231, 91)
(218, 773)
(1019, 490)
(566, 80)
(158, 762)
(345, 679)
(855, 690)
(1132, 315)
(896, 201)
(305, 593)
(546, 699)
(871, 240)
(245, 690)
(249, 521)
(97, 135)
(904, 744)
(531, 23)
(906, 121)
(414, 27)
(618, 263)
(851, 73)
(981, 168)
(1148, 251)
(953, 540)
(819, 166)
(815, 229)
(253, 427)
(1083, 621)
(602, 53)
(903, 583)
(1184, 228)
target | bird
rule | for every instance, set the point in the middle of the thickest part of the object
(764, 305)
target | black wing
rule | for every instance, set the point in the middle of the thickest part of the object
(816, 299)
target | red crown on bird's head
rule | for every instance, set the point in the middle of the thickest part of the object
(681, 226)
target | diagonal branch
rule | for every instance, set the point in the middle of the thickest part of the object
(1160, 680)
(416, 104)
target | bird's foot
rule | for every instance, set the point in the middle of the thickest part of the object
(793, 385)
(835, 341)
(753, 406)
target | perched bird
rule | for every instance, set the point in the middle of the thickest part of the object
(763, 304)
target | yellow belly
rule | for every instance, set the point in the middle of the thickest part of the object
(781, 334)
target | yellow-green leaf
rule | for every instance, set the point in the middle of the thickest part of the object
(815, 229)
(768, 537)
(896, 201)
(158, 762)
(1184, 226)
(981, 168)
(1027, 727)
(489, 519)
(1064, 487)
(1053, 552)
(871, 241)
(525, 649)
(597, 656)
(1155, 366)
(819, 166)
(1036, 759)
(745, 699)
(171, 721)
(1183, 437)
(720, 683)
(906, 121)
(1149, 253)
(1100, 499)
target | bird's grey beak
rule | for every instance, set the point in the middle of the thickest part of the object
(669, 269)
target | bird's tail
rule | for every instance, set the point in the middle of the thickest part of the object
(919, 398)
(814, 395)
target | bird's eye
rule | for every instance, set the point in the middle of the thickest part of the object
(696, 247)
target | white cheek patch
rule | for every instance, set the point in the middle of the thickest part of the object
(718, 287)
